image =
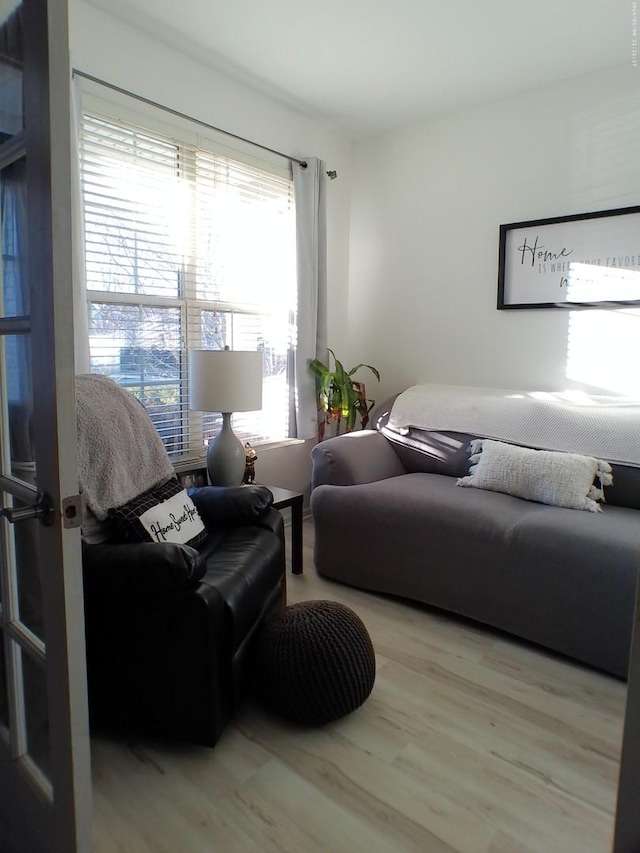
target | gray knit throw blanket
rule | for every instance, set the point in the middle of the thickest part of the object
(120, 454)
(604, 427)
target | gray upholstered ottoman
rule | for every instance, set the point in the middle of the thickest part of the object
(314, 662)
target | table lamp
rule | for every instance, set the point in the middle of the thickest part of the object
(225, 381)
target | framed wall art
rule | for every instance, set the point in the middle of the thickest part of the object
(192, 477)
(590, 260)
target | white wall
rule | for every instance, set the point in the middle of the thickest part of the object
(413, 266)
(427, 204)
(111, 50)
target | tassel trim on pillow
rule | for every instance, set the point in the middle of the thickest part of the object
(604, 476)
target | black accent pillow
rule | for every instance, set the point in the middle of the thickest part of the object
(625, 489)
(164, 513)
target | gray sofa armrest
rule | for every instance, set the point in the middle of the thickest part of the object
(357, 457)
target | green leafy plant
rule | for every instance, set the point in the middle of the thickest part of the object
(340, 397)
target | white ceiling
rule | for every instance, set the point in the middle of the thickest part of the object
(369, 65)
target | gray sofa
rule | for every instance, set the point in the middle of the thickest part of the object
(389, 518)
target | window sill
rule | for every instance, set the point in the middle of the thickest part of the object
(188, 464)
(273, 445)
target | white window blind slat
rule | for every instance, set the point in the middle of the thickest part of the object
(196, 250)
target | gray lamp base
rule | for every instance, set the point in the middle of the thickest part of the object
(225, 456)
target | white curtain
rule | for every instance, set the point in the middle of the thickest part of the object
(311, 237)
(80, 318)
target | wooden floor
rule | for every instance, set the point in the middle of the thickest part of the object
(470, 741)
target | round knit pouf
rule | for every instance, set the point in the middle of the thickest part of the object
(314, 662)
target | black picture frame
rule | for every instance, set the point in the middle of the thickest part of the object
(192, 477)
(587, 260)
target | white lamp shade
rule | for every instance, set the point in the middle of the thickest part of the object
(225, 380)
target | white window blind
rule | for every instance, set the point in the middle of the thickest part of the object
(186, 249)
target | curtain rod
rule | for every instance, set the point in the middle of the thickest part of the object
(78, 73)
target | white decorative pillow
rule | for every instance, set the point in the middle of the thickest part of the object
(164, 513)
(546, 476)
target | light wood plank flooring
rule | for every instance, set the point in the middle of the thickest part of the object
(470, 741)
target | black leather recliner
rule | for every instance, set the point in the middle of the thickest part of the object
(170, 629)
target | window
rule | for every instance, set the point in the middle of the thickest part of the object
(186, 248)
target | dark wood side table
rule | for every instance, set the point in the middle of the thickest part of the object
(283, 498)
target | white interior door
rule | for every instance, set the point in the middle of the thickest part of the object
(45, 799)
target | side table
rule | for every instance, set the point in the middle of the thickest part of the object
(283, 498)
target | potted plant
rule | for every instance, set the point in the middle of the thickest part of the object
(340, 397)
